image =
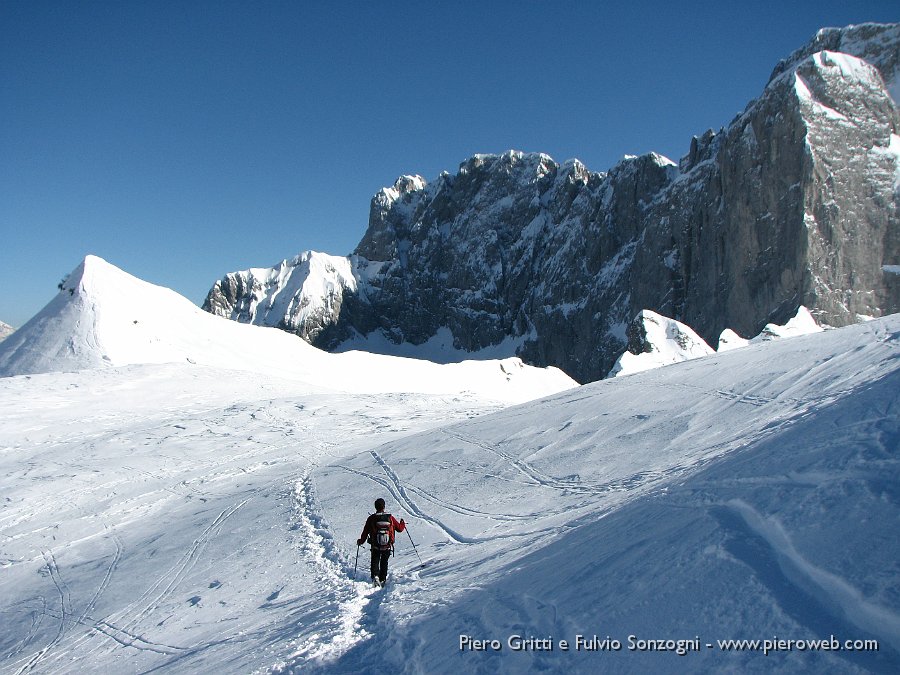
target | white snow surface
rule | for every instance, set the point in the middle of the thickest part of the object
(438, 349)
(850, 67)
(186, 518)
(728, 340)
(670, 342)
(802, 323)
(105, 317)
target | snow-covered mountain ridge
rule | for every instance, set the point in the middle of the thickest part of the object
(5, 331)
(104, 317)
(794, 203)
(655, 341)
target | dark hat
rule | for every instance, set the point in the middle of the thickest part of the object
(379, 504)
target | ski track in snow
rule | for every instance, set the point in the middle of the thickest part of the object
(402, 496)
(65, 611)
(393, 487)
(122, 627)
(566, 485)
(842, 598)
(537, 477)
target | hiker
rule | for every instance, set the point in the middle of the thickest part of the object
(379, 531)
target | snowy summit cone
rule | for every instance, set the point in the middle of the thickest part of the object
(64, 334)
(103, 316)
(654, 341)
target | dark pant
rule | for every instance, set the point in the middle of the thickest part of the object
(380, 563)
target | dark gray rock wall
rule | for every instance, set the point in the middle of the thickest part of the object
(794, 203)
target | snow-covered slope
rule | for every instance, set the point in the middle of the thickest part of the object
(802, 323)
(183, 518)
(865, 41)
(746, 495)
(104, 317)
(655, 340)
(729, 340)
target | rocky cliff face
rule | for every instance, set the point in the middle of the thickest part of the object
(796, 202)
(303, 295)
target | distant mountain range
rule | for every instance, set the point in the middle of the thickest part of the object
(795, 203)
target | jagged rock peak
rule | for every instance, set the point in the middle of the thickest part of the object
(524, 162)
(875, 43)
(302, 295)
(402, 186)
(658, 169)
(651, 157)
(703, 149)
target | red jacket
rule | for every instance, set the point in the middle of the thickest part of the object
(396, 526)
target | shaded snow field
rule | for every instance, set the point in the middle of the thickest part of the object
(746, 495)
(187, 518)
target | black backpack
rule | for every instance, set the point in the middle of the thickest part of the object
(382, 537)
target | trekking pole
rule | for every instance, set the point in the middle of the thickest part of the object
(356, 563)
(414, 546)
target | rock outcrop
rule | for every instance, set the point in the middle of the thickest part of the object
(655, 341)
(795, 203)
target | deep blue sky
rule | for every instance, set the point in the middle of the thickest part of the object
(184, 140)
